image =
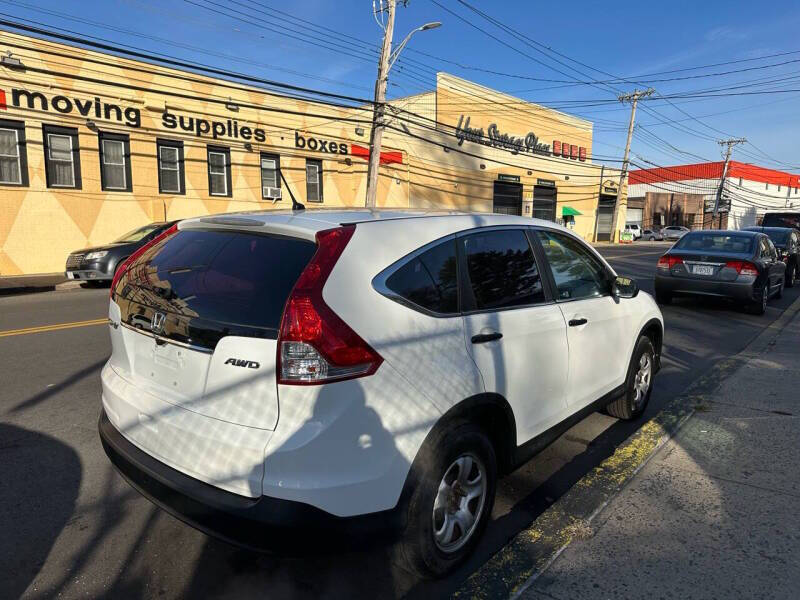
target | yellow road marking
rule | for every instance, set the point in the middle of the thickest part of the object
(56, 327)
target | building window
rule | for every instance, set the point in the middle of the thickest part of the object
(767, 186)
(13, 155)
(62, 157)
(219, 171)
(171, 177)
(740, 181)
(779, 188)
(115, 162)
(313, 180)
(270, 176)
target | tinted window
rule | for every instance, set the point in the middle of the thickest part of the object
(576, 272)
(778, 237)
(429, 280)
(782, 220)
(501, 269)
(139, 234)
(214, 283)
(716, 242)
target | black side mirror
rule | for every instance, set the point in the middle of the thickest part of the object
(624, 287)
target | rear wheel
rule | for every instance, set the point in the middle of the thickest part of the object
(448, 510)
(638, 384)
(652, 238)
(759, 306)
(790, 275)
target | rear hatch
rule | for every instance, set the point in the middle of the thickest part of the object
(199, 314)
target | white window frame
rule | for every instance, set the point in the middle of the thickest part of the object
(71, 161)
(224, 173)
(177, 168)
(18, 157)
(318, 181)
(122, 164)
(274, 169)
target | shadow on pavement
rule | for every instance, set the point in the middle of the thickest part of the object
(40, 477)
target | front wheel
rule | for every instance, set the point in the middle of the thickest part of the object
(456, 479)
(638, 384)
(790, 275)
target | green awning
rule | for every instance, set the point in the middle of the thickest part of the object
(568, 211)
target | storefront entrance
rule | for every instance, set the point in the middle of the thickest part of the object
(605, 215)
(544, 202)
(507, 198)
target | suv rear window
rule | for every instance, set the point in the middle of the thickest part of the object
(212, 283)
(781, 220)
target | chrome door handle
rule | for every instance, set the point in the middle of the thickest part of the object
(576, 322)
(482, 338)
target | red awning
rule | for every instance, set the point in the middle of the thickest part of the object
(387, 158)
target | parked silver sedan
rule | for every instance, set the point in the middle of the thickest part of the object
(674, 232)
(652, 235)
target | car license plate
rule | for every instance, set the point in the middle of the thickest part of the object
(703, 270)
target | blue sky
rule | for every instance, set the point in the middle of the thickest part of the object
(624, 39)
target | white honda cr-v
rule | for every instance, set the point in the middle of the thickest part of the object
(362, 369)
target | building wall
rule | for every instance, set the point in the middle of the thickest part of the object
(39, 225)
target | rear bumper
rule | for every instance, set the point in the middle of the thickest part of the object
(248, 522)
(741, 292)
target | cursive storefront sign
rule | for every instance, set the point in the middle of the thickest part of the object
(493, 137)
(517, 144)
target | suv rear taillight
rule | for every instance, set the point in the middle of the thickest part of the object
(666, 262)
(315, 345)
(130, 260)
(743, 268)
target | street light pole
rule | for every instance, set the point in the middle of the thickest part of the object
(387, 59)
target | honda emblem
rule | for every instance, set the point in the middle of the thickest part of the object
(157, 325)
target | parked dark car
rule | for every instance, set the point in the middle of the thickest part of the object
(741, 265)
(787, 243)
(99, 263)
(652, 235)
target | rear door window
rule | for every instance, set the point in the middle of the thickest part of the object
(429, 280)
(501, 269)
(212, 283)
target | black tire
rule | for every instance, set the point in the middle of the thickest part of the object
(790, 275)
(759, 307)
(630, 405)
(663, 297)
(417, 550)
(652, 239)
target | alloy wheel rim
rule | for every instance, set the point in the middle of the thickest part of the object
(642, 379)
(459, 503)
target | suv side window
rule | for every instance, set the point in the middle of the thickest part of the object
(501, 269)
(576, 272)
(429, 280)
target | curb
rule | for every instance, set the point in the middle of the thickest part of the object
(35, 289)
(518, 564)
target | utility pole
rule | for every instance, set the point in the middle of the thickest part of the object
(379, 109)
(730, 143)
(387, 60)
(633, 99)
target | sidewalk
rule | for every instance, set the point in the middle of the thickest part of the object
(716, 512)
(26, 284)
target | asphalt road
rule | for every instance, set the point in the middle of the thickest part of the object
(70, 526)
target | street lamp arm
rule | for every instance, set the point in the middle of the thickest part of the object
(396, 52)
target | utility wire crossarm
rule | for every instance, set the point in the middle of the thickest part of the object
(730, 143)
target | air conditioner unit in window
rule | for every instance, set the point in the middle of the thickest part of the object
(273, 193)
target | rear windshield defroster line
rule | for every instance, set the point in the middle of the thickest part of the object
(201, 285)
